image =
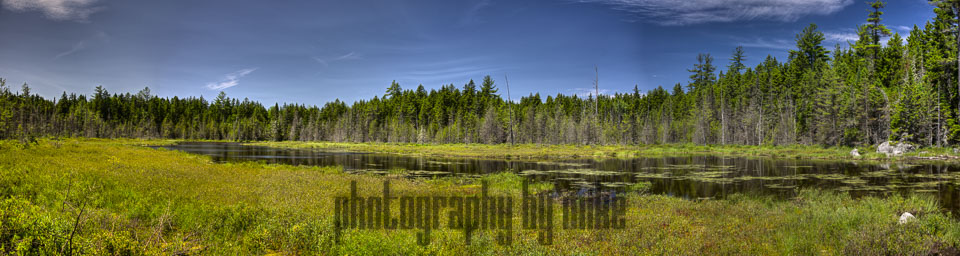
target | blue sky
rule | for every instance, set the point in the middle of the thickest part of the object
(316, 51)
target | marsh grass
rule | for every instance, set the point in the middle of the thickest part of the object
(92, 196)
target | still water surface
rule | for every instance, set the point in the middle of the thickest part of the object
(691, 177)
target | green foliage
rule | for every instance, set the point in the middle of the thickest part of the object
(26, 228)
(809, 51)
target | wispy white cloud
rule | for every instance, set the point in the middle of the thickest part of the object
(830, 38)
(452, 62)
(843, 37)
(321, 61)
(349, 56)
(77, 47)
(98, 38)
(444, 71)
(230, 80)
(77, 10)
(688, 12)
(833, 37)
(777, 44)
(443, 74)
(903, 30)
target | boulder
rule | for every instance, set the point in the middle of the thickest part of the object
(903, 147)
(885, 148)
(854, 153)
(895, 149)
(906, 217)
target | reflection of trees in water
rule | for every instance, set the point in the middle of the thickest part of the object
(676, 176)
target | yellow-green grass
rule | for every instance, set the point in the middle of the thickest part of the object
(91, 196)
(535, 151)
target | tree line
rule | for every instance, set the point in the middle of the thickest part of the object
(861, 93)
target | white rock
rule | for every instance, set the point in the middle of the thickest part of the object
(885, 148)
(855, 153)
(903, 147)
(895, 150)
(906, 217)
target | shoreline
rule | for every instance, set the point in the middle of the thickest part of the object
(555, 152)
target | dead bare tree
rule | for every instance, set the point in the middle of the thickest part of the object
(596, 102)
(723, 120)
(509, 101)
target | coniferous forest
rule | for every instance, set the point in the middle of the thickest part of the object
(857, 93)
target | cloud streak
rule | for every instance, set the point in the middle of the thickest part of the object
(450, 69)
(230, 80)
(77, 10)
(690, 12)
(77, 47)
(348, 56)
(446, 75)
(777, 44)
(840, 37)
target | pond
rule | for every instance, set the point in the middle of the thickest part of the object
(691, 177)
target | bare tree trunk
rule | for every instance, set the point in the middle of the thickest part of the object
(760, 124)
(596, 103)
(509, 101)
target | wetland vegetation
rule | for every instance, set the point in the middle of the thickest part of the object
(119, 197)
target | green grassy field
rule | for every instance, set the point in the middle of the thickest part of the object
(534, 151)
(92, 196)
